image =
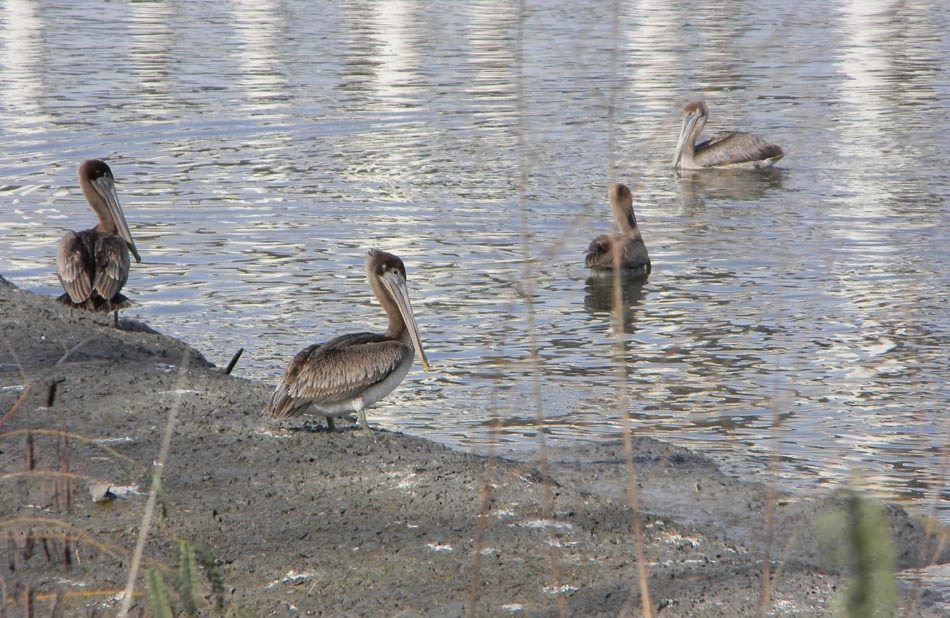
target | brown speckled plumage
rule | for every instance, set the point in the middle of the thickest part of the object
(335, 371)
(351, 372)
(93, 265)
(628, 242)
(727, 150)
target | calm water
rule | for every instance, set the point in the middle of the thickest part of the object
(260, 147)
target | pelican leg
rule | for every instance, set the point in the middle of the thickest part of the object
(331, 424)
(115, 313)
(361, 415)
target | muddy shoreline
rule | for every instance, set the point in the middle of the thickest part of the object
(303, 522)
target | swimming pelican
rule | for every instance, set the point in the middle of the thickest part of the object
(728, 150)
(93, 265)
(352, 372)
(634, 259)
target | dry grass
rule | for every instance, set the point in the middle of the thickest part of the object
(60, 542)
(153, 492)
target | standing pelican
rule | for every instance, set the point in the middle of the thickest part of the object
(93, 265)
(352, 372)
(625, 245)
(728, 150)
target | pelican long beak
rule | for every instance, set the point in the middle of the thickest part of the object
(686, 132)
(396, 286)
(105, 187)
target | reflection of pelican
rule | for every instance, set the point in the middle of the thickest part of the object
(352, 372)
(728, 150)
(93, 265)
(626, 245)
(728, 185)
(599, 297)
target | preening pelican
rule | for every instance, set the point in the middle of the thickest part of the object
(728, 150)
(93, 265)
(352, 372)
(630, 249)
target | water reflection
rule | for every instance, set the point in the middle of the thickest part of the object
(599, 297)
(259, 27)
(152, 38)
(397, 63)
(23, 56)
(883, 83)
(696, 187)
(382, 53)
(654, 49)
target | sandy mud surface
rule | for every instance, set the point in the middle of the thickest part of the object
(310, 523)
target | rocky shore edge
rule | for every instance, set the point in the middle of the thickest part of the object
(288, 521)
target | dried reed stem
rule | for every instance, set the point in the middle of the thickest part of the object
(484, 505)
(527, 279)
(620, 360)
(153, 492)
(765, 583)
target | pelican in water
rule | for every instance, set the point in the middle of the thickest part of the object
(352, 372)
(93, 265)
(729, 150)
(625, 245)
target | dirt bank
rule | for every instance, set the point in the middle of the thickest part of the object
(311, 523)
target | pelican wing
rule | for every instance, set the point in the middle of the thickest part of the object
(112, 265)
(734, 148)
(334, 372)
(633, 253)
(74, 268)
(599, 253)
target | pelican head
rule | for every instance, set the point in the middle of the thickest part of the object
(98, 186)
(387, 277)
(621, 203)
(694, 119)
(736, 149)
